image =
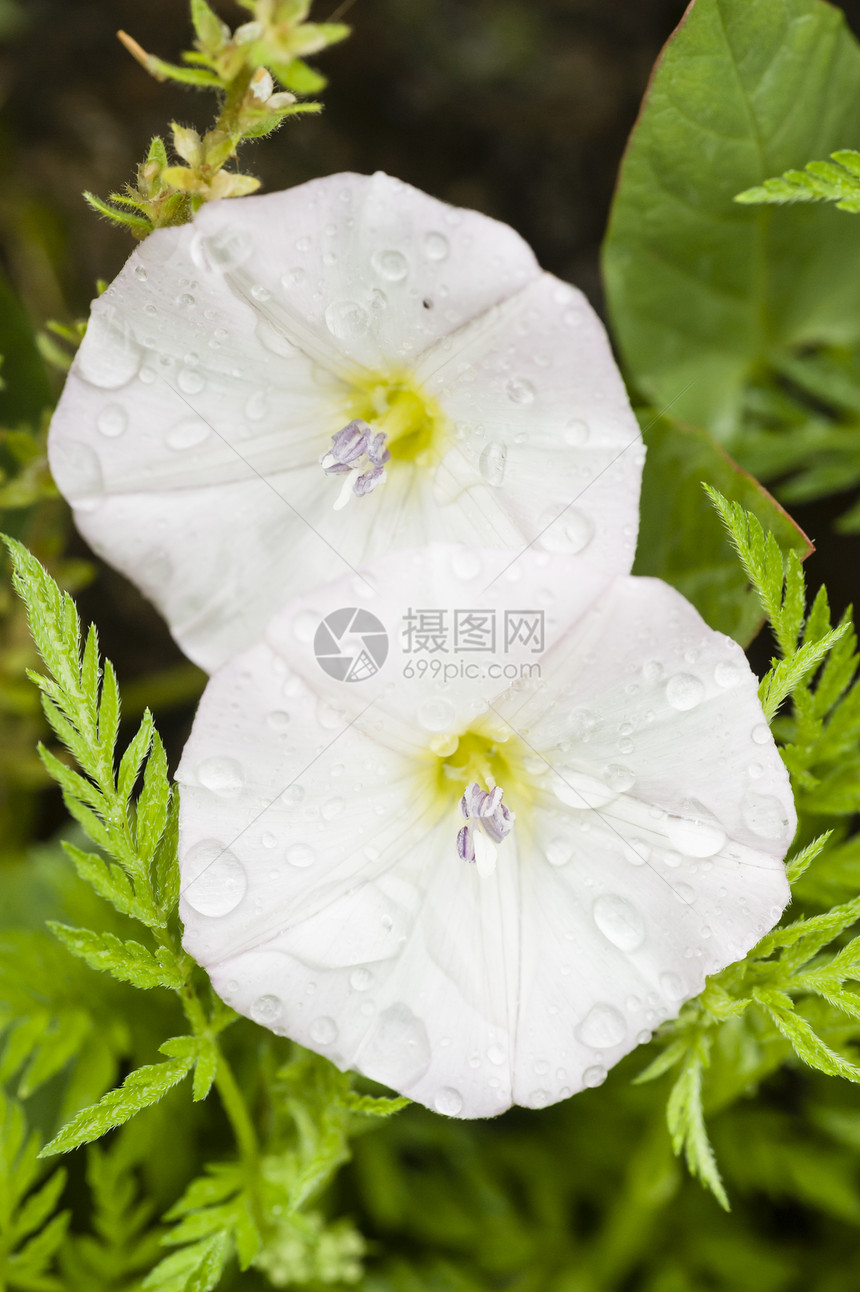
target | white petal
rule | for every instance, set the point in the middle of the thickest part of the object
(340, 912)
(212, 378)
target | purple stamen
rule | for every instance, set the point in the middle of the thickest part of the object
(465, 844)
(356, 448)
(367, 483)
(484, 809)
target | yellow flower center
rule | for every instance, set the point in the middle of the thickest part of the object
(415, 427)
(486, 754)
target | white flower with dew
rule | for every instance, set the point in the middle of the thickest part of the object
(625, 812)
(197, 433)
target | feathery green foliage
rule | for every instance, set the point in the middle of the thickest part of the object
(819, 181)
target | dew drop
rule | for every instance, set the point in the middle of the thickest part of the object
(260, 293)
(267, 1010)
(221, 775)
(186, 300)
(620, 779)
(109, 356)
(520, 391)
(186, 434)
(559, 852)
(191, 381)
(214, 880)
(727, 674)
(761, 734)
(140, 273)
(700, 835)
(602, 1027)
(619, 922)
(764, 815)
(576, 432)
(112, 421)
(491, 463)
(360, 979)
(672, 986)
(256, 406)
(397, 1051)
(684, 691)
(293, 277)
(347, 320)
(278, 720)
(390, 265)
(323, 1031)
(300, 855)
(436, 246)
(437, 715)
(222, 251)
(448, 1101)
(594, 1076)
(578, 529)
(496, 1055)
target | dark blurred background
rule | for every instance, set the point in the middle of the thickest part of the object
(519, 108)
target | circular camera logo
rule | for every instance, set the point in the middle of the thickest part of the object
(351, 644)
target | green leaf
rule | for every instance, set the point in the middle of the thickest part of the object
(702, 291)
(211, 31)
(686, 1121)
(127, 961)
(141, 1088)
(196, 1268)
(805, 1042)
(680, 543)
(205, 1069)
(821, 181)
(137, 223)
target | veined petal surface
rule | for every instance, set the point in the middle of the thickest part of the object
(227, 353)
(322, 885)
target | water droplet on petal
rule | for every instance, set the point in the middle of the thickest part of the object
(227, 249)
(520, 391)
(727, 674)
(559, 852)
(109, 355)
(576, 432)
(672, 986)
(684, 691)
(602, 1027)
(594, 1076)
(397, 1051)
(699, 835)
(761, 734)
(621, 779)
(765, 815)
(221, 775)
(578, 529)
(278, 720)
(360, 979)
(448, 1101)
(187, 434)
(496, 1055)
(191, 381)
(323, 1031)
(79, 473)
(256, 406)
(267, 1010)
(300, 855)
(436, 246)
(213, 879)
(140, 273)
(112, 421)
(491, 463)
(619, 922)
(390, 265)
(437, 715)
(347, 320)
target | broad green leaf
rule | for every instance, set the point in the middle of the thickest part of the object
(681, 538)
(703, 291)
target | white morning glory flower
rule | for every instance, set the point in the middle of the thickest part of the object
(207, 434)
(480, 871)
